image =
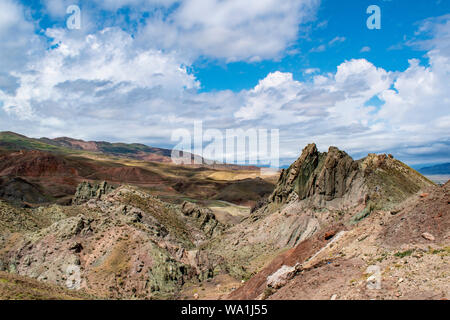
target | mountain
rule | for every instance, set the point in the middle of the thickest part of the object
(14, 141)
(331, 218)
(39, 171)
(68, 146)
(334, 178)
(317, 191)
(135, 151)
(439, 169)
(313, 236)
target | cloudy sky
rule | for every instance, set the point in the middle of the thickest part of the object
(137, 70)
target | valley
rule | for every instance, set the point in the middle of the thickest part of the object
(87, 220)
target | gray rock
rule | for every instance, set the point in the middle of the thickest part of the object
(87, 191)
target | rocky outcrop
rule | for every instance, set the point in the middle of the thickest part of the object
(329, 175)
(87, 191)
(334, 178)
(204, 217)
(121, 243)
(315, 192)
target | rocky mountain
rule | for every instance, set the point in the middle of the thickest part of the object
(125, 242)
(40, 171)
(321, 232)
(334, 179)
(135, 151)
(64, 145)
(36, 177)
(350, 215)
(317, 191)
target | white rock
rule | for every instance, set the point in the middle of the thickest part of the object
(428, 236)
(280, 277)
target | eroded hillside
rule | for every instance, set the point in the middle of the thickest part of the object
(328, 219)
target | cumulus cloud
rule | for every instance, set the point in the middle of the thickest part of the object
(101, 75)
(231, 30)
(18, 41)
(109, 84)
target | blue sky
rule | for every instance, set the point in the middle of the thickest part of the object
(345, 19)
(139, 69)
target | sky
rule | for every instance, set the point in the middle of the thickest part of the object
(137, 70)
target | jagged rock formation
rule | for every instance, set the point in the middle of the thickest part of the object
(334, 178)
(86, 191)
(327, 174)
(204, 217)
(315, 192)
(125, 243)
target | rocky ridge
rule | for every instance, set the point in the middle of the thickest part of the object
(317, 191)
(124, 242)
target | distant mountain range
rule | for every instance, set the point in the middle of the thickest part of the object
(36, 171)
(438, 169)
(69, 146)
(13, 141)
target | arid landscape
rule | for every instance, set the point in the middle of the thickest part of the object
(79, 221)
(224, 159)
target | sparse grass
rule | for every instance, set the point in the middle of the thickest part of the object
(403, 254)
(14, 287)
(443, 252)
(384, 255)
(165, 216)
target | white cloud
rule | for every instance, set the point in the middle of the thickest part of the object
(18, 40)
(320, 48)
(336, 109)
(311, 70)
(332, 42)
(365, 49)
(231, 30)
(79, 73)
(109, 85)
(336, 40)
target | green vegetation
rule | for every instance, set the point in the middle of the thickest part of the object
(444, 251)
(403, 254)
(162, 214)
(13, 141)
(127, 149)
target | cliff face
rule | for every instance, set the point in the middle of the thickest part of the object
(328, 174)
(334, 178)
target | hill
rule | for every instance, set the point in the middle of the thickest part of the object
(315, 235)
(407, 251)
(439, 169)
(39, 171)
